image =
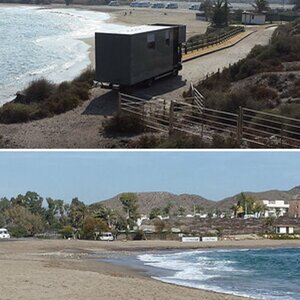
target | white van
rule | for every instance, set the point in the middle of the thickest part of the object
(106, 236)
(171, 6)
(4, 233)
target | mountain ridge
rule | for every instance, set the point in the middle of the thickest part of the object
(148, 200)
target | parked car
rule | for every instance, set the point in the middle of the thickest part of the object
(113, 3)
(134, 4)
(158, 5)
(194, 7)
(172, 5)
(144, 4)
(106, 236)
(4, 233)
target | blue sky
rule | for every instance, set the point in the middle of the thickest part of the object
(95, 176)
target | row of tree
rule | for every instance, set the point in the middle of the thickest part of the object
(30, 214)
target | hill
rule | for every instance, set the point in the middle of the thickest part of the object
(149, 200)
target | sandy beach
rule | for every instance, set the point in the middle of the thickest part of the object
(62, 269)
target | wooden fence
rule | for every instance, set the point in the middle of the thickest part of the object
(206, 42)
(250, 128)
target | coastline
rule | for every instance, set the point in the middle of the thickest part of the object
(62, 269)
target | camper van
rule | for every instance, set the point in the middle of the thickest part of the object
(4, 233)
(106, 236)
(149, 52)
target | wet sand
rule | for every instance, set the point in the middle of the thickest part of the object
(62, 269)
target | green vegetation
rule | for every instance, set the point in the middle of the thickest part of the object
(43, 99)
(123, 123)
(247, 205)
(25, 215)
(267, 88)
(261, 5)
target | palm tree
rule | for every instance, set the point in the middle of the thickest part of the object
(106, 214)
(220, 13)
(261, 5)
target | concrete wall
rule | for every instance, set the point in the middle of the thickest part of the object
(253, 19)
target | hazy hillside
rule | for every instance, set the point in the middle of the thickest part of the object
(148, 200)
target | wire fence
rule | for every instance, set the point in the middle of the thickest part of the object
(206, 42)
(250, 128)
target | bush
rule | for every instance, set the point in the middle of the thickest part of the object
(178, 140)
(43, 99)
(123, 123)
(17, 231)
(16, 113)
(262, 92)
(139, 235)
(38, 90)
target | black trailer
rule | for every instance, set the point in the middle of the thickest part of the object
(138, 54)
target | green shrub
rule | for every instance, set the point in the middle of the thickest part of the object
(38, 90)
(124, 123)
(178, 140)
(17, 231)
(139, 235)
(16, 113)
(262, 92)
(87, 76)
(273, 80)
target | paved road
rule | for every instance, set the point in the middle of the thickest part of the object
(198, 68)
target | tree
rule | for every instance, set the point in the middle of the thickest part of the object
(155, 212)
(92, 227)
(261, 5)
(198, 208)
(68, 2)
(67, 231)
(106, 214)
(207, 7)
(220, 13)
(166, 210)
(181, 211)
(130, 205)
(78, 212)
(20, 220)
(32, 201)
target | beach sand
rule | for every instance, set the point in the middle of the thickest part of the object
(145, 16)
(62, 269)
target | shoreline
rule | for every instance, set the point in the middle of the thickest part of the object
(64, 262)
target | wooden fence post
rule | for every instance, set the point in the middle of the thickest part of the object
(240, 126)
(119, 103)
(171, 118)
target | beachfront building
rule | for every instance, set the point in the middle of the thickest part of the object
(284, 229)
(275, 208)
(253, 18)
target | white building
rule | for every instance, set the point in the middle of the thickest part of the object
(284, 229)
(253, 18)
(275, 208)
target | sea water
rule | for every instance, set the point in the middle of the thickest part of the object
(258, 273)
(37, 42)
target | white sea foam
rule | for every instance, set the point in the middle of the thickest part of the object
(46, 43)
(253, 273)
